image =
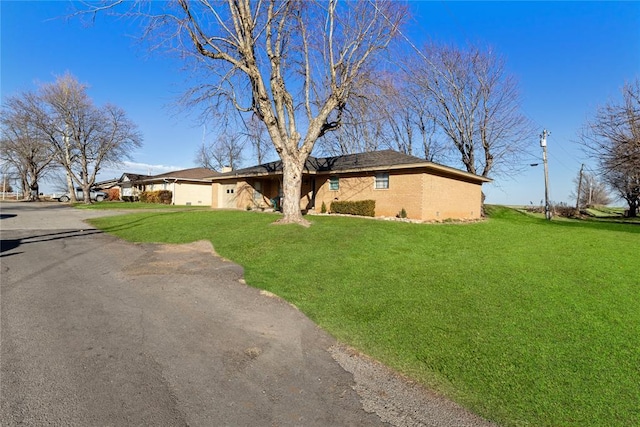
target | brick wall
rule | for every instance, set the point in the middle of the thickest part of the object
(446, 198)
(423, 196)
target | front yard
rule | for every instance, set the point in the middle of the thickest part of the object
(525, 322)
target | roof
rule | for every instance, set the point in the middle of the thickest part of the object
(370, 161)
(133, 177)
(109, 183)
(193, 173)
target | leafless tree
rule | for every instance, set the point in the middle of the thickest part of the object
(613, 137)
(24, 146)
(592, 191)
(385, 113)
(258, 138)
(224, 152)
(362, 128)
(291, 63)
(474, 104)
(84, 137)
(5, 184)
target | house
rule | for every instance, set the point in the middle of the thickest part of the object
(426, 191)
(188, 186)
(106, 184)
(127, 185)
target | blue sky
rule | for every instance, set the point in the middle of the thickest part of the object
(569, 57)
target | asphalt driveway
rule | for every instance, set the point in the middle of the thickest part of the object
(97, 331)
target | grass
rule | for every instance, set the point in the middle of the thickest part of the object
(134, 206)
(525, 322)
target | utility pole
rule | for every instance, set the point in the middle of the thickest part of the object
(579, 190)
(543, 144)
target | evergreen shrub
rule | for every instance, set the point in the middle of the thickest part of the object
(356, 207)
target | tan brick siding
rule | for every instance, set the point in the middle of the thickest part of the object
(446, 198)
(424, 196)
(403, 192)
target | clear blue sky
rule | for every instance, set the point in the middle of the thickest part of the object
(569, 57)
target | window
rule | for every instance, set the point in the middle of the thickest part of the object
(382, 181)
(257, 191)
(334, 183)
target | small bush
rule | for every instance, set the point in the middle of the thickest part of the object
(564, 210)
(160, 196)
(323, 208)
(113, 194)
(357, 207)
(129, 198)
(402, 214)
(165, 196)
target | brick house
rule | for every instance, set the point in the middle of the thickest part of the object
(427, 191)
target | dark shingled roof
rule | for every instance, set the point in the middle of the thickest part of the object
(373, 159)
(370, 160)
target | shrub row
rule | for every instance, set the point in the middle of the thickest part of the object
(357, 207)
(129, 198)
(160, 196)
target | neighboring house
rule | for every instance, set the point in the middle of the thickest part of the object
(127, 184)
(106, 185)
(188, 186)
(426, 190)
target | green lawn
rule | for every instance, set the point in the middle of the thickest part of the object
(524, 321)
(133, 206)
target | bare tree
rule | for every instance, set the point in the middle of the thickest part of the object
(613, 137)
(258, 138)
(24, 146)
(224, 152)
(592, 191)
(362, 128)
(474, 104)
(291, 63)
(387, 112)
(84, 137)
(5, 184)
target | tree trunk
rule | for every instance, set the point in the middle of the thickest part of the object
(70, 187)
(292, 189)
(86, 194)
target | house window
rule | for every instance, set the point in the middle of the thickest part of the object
(382, 181)
(257, 191)
(334, 183)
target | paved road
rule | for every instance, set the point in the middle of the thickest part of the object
(96, 331)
